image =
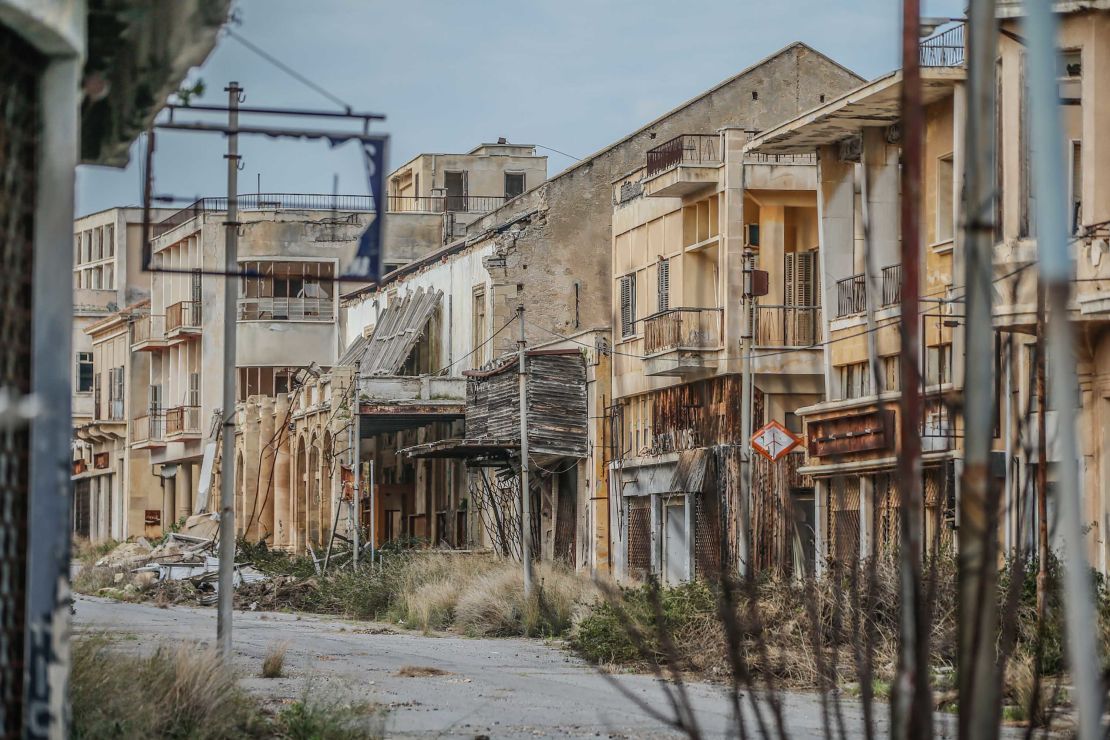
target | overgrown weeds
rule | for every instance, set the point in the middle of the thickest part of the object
(274, 662)
(312, 719)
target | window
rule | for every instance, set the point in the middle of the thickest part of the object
(478, 326)
(286, 291)
(455, 185)
(514, 184)
(111, 239)
(855, 380)
(115, 393)
(800, 278)
(892, 373)
(77, 249)
(1076, 201)
(628, 305)
(944, 199)
(1071, 64)
(938, 364)
(664, 287)
(193, 398)
(84, 372)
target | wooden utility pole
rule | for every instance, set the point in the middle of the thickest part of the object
(525, 488)
(1042, 461)
(978, 501)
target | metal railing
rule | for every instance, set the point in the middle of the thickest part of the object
(684, 149)
(892, 285)
(150, 427)
(148, 327)
(327, 202)
(851, 295)
(183, 420)
(787, 326)
(761, 158)
(183, 315)
(286, 309)
(683, 328)
(945, 49)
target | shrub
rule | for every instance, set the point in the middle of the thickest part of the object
(274, 661)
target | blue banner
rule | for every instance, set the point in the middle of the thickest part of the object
(367, 262)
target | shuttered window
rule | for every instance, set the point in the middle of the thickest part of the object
(664, 285)
(800, 273)
(628, 305)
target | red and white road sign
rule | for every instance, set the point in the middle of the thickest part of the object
(773, 440)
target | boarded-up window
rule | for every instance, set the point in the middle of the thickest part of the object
(628, 305)
(664, 287)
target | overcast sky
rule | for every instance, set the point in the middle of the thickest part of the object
(572, 75)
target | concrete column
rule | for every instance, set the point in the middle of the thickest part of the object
(94, 509)
(691, 525)
(657, 535)
(866, 515)
(169, 502)
(820, 515)
(184, 490)
(280, 516)
(881, 163)
(267, 445)
(836, 212)
(252, 451)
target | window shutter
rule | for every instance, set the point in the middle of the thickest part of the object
(628, 305)
(664, 285)
(790, 276)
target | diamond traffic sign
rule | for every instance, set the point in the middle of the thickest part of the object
(773, 440)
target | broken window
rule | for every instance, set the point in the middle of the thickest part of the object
(286, 291)
(84, 372)
(628, 305)
(514, 184)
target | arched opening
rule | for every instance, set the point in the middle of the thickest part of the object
(327, 482)
(312, 504)
(299, 497)
(241, 512)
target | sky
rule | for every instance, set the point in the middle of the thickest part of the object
(567, 75)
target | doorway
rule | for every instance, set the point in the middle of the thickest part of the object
(674, 541)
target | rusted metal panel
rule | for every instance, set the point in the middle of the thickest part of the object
(689, 473)
(700, 414)
(397, 331)
(855, 432)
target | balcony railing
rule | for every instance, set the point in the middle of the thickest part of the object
(683, 329)
(183, 315)
(286, 309)
(892, 285)
(945, 49)
(702, 149)
(183, 420)
(325, 202)
(148, 327)
(787, 326)
(150, 427)
(851, 295)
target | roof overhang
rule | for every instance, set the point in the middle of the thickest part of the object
(386, 417)
(878, 103)
(469, 449)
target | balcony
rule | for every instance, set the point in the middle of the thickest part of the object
(286, 309)
(149, 430)
(444, 203)
(683, 165)
(851, 295)
(787, 326)
(183, 319)
(944, 49)
(148, 333)
(182, 421)
(682, 341)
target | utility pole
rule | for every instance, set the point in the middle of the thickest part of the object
(231, 294)
(1054, 256)
(356, 457)
(745, 538)
(978, 532)
(911, 709)
(1042, 460)
(525, 489)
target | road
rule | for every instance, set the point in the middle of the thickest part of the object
(488, 687)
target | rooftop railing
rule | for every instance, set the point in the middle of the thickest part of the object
(683, 329)
(685, 149)
(944, 49)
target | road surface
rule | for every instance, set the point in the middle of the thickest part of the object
(488, 687)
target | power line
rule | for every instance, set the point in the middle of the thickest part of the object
(483, 344)
(553, 149)
(288, 70)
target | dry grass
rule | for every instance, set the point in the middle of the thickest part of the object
(420, 671)
(274, 662)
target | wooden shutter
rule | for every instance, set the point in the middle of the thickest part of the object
(664, 303)
(790, 277)
(628, 305)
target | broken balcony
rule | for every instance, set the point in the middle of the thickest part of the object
(686, 164)
(183, 320)
(680, 341)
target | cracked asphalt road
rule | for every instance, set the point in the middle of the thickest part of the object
(489, 687)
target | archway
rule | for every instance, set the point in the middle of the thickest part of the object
(327, 482)
(313, 501)
(300, 497)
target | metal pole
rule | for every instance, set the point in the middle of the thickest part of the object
(227, 465)
(911, 710)
(745, 534)
(978, 502)
(1042, 460)
(373, 514)
(1054, 256)
(356, 455)
(525, 490)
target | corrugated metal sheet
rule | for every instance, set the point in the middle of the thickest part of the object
(399, 327)
(557, 413)
(354, 352)
(689, 474)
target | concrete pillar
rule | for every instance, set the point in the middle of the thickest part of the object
(252, 451)
(267, 445)
(184, 490)
(282, 509)
(820, 516)
(866, 515)
(836, 211)
(169, 502)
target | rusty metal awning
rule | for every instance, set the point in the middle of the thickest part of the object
(382, 418)
(463, 448)
(689, 473)
(399, 327)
